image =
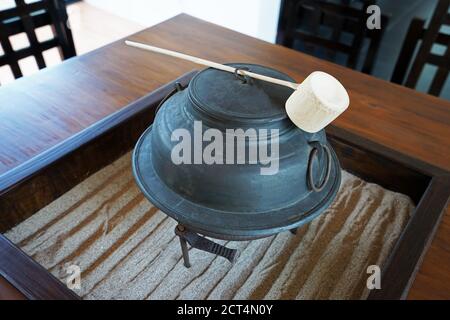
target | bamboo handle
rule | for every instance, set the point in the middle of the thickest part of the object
(211, 64)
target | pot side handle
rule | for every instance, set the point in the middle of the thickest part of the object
(317, 147)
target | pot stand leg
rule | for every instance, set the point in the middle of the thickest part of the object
(203, 244)
(185, 251)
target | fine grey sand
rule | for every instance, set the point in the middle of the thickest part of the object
(127, 249)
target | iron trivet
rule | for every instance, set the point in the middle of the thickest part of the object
(196, 241)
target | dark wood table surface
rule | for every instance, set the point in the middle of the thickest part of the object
(39, 111)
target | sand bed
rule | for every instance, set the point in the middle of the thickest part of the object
(127, 249)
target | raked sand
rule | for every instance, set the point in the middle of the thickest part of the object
(127, 249)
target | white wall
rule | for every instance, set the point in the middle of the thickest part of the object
(257, 18)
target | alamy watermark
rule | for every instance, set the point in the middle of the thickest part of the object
(73, 280)
(250, 146)
(374, 20)
(374, 280)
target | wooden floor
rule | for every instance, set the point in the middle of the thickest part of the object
(91, 27)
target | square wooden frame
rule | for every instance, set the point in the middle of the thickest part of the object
(34, 184)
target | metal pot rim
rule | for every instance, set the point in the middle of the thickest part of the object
(222, 224)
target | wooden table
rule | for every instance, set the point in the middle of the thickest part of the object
(40, 111)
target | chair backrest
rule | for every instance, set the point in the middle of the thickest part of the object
(345, 23)
(427, 37)
(25, 18)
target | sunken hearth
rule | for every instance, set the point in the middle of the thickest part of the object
(126, 247)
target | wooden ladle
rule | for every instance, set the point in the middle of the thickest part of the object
(315, 102)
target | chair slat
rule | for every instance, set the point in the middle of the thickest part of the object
(438, 82)
(31, 34)
(26, 52)
(29, 7)
(27, 17)
(357, 42)
(443, 39)
(312, 39)
(372, 52)
(340, 18)
(59, 17)
(15, 26)
(438, 60)
(436, 22)
(9, 51)
(414, 33)
(441, 74)
(447, 19)
(336, 9)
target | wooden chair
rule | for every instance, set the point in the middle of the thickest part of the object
(309, 20)
(427, 37)
(26, 17)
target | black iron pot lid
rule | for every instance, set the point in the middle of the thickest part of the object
(229, 97)
(225, 224)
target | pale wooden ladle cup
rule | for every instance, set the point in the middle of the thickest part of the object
(315, 103)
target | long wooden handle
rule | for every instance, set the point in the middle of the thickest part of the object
(211, 64)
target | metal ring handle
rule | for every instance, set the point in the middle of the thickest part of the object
(314, 154)
(244, 78)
